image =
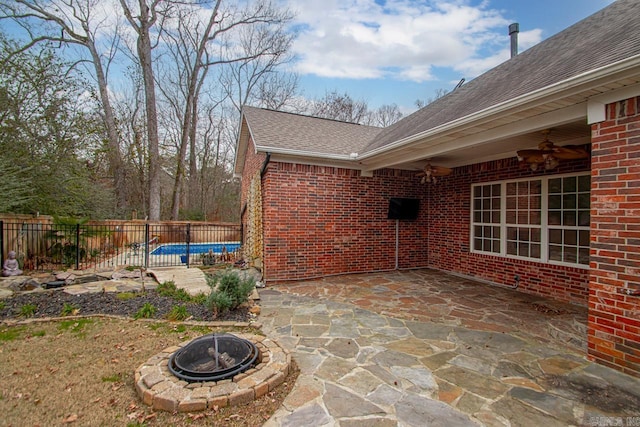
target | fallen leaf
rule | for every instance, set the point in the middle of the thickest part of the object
(148, 417)
(71, 418)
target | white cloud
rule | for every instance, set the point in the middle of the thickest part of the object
(401, 39)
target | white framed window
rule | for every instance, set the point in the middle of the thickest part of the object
(544, 219)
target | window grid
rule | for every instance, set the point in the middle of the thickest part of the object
(544, 219)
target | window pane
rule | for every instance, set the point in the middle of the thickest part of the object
(555, 253)
(477, 191)
(569, 184)
(583, 256)
(570, 237)
(486, 216)
(584, 238)
(555, 186)
(495, 217)
(535, 235)
(569, 201)
(584, 183)
(534, 218)
(496, 232)
(511, 217)
(496, 246)
(511, 189)
(477, 216)
(569, 218)
(555, 236)
(536, 187)
(512, 233)
(495, 190)
(477, 244)
(477, 231)
(584, 200)
(570, 254)
(555, 217)
(495, 203)
(584, 218)
(477, 204)
(523, 249)
(535, 251)
(511, 202)
(512, 248)
(555, 202)
(523, 218)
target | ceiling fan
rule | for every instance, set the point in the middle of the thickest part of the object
(549, 155)
(431, 173)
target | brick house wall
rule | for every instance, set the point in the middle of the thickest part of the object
(614, 316)
(450, 226)
(325, 220)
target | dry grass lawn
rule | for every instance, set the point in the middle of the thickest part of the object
(80, 372)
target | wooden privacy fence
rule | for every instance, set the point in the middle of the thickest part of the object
(41, 243)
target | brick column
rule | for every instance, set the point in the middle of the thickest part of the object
(614, 315)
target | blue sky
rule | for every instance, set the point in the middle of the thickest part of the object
(397, 51)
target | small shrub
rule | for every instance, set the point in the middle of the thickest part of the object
(69, 309)
(39, 334)
(28, 310)
(167, 289)
(123, 296)
(229, 290)
(177, 313)
(200, 298)
(2, 305)
(219, 302)
(147, 311)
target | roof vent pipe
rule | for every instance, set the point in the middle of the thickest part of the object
(514, 29)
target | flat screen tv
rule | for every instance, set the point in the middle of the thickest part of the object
(403, 208)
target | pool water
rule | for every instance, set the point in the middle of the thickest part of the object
(194, 248)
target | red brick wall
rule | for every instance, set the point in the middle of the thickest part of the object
(449, 228)
(324, 220)
(614, 317)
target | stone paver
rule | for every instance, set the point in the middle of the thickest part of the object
(425, 348)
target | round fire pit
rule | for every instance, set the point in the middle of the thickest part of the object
(213, 357)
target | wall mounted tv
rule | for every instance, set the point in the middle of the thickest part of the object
(403, 208)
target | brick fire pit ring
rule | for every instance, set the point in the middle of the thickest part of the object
(160, 389)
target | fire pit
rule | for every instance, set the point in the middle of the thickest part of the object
(213, 357)
(159, 386)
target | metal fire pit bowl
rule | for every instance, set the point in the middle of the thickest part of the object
(213, 357)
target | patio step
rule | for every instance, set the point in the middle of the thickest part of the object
(571, 333)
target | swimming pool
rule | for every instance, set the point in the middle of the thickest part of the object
(194, 248)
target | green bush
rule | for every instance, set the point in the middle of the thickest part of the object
(228, 290)
(28, 310)
(147, 311)
(177, 313)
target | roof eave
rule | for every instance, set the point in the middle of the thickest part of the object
(552, 91)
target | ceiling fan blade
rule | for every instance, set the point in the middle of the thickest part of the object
(570, 152)
(440, 171)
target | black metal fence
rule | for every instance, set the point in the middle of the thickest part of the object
(116, 244)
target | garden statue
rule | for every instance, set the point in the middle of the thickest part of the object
(11, 266)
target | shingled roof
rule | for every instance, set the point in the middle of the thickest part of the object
(273, 130)
(606, 37)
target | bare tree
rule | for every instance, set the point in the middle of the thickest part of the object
(439, 93)
(385, 115)
(76, 23)
(142, 19)
(254, 42)
(340, 107)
